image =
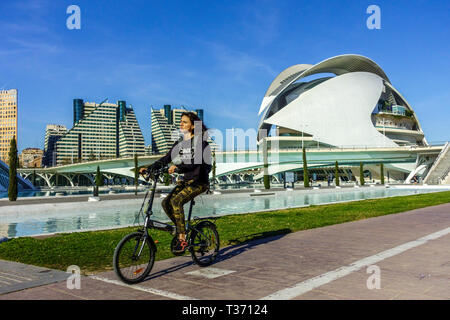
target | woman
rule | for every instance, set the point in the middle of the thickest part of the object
(190, 156)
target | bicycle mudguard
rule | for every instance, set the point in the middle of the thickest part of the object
(202, 223)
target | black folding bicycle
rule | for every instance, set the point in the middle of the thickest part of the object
(135, 254)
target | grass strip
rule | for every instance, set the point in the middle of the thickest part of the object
(93, 251)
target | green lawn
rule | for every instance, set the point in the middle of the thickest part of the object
(93, 251)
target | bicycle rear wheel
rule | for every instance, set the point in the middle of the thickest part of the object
(133, 258)
(204, 243)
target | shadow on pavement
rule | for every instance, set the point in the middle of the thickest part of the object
(243, 244)
(248, 242)
(168, 270)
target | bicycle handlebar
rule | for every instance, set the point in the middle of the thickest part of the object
(148, 173)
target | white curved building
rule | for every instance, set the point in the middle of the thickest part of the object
(344, 101)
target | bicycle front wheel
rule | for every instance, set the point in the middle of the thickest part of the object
(133, 258)
(204, 243)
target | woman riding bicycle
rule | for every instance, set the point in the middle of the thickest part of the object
(190, 156)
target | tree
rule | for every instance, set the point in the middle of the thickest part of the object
(136, 173)
(305, 170)
(13, 162)
(98, 178)
(382, 173)
(336, 173)
(361, 174)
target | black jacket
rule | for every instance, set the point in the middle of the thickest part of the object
(195, 164)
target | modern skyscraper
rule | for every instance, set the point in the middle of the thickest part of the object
(53, 132)
(8, 121)
(165, 128)
(100, 131)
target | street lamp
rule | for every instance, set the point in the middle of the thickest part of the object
(97, 146)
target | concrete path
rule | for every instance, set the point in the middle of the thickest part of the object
(399, 256)
(18, 276)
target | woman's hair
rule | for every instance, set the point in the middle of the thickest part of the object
(194, 118)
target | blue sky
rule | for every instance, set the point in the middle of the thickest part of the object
(217, 55)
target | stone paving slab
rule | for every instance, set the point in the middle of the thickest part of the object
(420, 273)
(265, 266)
(90, 289)
(18, 276)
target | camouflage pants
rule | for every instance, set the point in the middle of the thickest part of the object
(183, 192)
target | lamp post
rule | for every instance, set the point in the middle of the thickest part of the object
(97, 146)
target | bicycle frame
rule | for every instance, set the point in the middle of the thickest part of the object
(154, 224)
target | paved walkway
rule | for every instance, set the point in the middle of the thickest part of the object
(405, 255)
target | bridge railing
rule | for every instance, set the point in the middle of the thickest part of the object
(343, 147)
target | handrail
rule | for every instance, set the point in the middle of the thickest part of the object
(445, 174)
(437, 161)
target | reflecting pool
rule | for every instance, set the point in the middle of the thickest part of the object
(36, 219)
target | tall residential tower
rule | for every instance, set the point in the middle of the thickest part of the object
(53, 132)
(8, 121)
(165, 125)
(100, 131)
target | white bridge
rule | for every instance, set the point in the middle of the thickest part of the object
(431, 163)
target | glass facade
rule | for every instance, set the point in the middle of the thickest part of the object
(78, 110)
(199, 113)
(122, 110)
(168, 113)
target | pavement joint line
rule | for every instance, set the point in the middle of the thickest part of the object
(11, 279)
(163, 293)
(69, 293)
(15, 275)
(310, 284)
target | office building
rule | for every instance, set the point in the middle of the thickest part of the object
(165, 128)
(53, 132)
(100, 131)
(8, 121)
(31, 158)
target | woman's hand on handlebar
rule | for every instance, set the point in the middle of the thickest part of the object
(172, 169)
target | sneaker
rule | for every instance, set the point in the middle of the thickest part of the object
(180, 246)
